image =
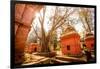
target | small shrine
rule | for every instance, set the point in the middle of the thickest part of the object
(89, 41)
(70, 42)
(32, 47)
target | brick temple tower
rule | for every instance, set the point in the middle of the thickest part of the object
(89, 41)
(70, 42)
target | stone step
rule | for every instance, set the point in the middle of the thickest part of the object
(70, 59)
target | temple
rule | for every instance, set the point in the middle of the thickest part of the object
(70, 42)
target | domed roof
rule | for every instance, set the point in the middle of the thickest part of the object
(69, 30)
(89, 35)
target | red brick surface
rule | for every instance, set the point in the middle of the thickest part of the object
(21, 36)
(20, 39)
(74, 41)
(23, 19)
(89, 42)
(16, 27)
(31, 48)
(28, 15)
(19, 9)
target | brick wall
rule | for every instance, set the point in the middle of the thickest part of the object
(72, 40)
(89, 43)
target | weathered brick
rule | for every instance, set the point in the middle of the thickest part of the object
(28, 15)
(21, 35)
(23, 19)
(20, 39)
(16, 27)
(19, 9)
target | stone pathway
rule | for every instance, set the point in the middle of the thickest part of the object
(32, 59)
(71, 59)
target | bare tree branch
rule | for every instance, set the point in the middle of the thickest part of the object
(85, 16)
(36, 32)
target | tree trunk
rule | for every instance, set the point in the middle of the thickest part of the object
(45, 47)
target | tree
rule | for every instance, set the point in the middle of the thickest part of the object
(56, 20)
(86, 16)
